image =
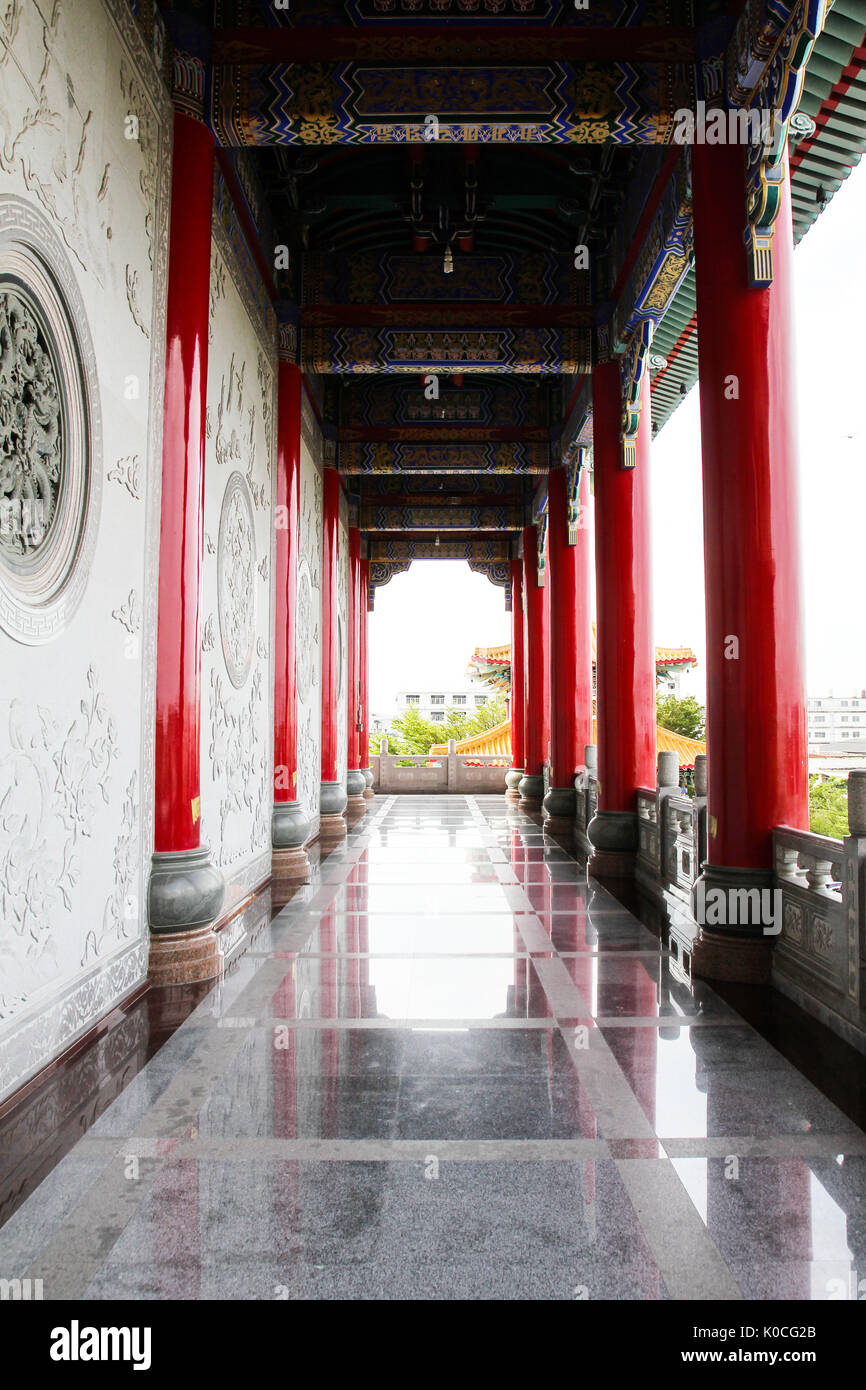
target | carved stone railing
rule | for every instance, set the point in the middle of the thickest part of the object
(429, 772)
(671, 829)
(812, 945)
(820, 951)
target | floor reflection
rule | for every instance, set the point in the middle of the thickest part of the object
(450, 1067)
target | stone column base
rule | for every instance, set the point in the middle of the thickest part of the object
(356, 786)
(368, 779)
(332, 804)
(614, 864)
(613, 836)
(290, 829)
(184, 958)
(369, 794)
(289, 867)
(512, 781)
(741, 959)
(332, 828)
(560, 810)
(738, 912)
(531, 791)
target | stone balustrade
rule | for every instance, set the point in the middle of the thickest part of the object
(438, 772)
(821, 948)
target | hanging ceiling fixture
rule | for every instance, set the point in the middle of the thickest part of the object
(448, 262)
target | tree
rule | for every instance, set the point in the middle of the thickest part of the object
(412, 735)
(686, 716)
(828, 807)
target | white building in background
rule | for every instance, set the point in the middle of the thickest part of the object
(432, 704)
(837, 719)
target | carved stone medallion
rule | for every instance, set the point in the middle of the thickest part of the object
(236, 576)
(50, 437)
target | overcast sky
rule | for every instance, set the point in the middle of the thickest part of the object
(428, 620)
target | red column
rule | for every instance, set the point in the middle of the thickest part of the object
(290, 825)
(625, 665)
(583, 621)
(356, 783)
(518, 683)
(756, 723)
(536, 731)
(186, 890)
(332, 800)
(562, 584)
(364, 736)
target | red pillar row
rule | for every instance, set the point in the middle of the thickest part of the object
(625, 660)
(536, 731)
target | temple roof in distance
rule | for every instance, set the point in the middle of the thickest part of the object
(492, 665)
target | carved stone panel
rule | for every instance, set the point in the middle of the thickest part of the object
(50, 430)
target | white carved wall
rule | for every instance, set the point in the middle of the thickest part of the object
(310, 616)
(237, 579)
(76, 699)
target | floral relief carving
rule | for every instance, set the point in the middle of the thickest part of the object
(128, 614)
(53, 114)
(792, 923)
(208, 636)
(52, 783)
(132, 300)
(822, 937)
(121, 914)
(127, 472)
(148, 178)
(237, 759)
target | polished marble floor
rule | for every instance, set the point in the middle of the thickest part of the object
(449, 1068)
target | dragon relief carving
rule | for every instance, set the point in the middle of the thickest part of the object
(52, 784)
(31, 434)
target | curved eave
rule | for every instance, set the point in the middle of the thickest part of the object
(834, 95)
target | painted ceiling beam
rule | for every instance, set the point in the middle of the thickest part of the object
(447, 434)
(425, 548)
(655, 43)
(443, 458)
(462, 518)
(445, 314)
(535, 102)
